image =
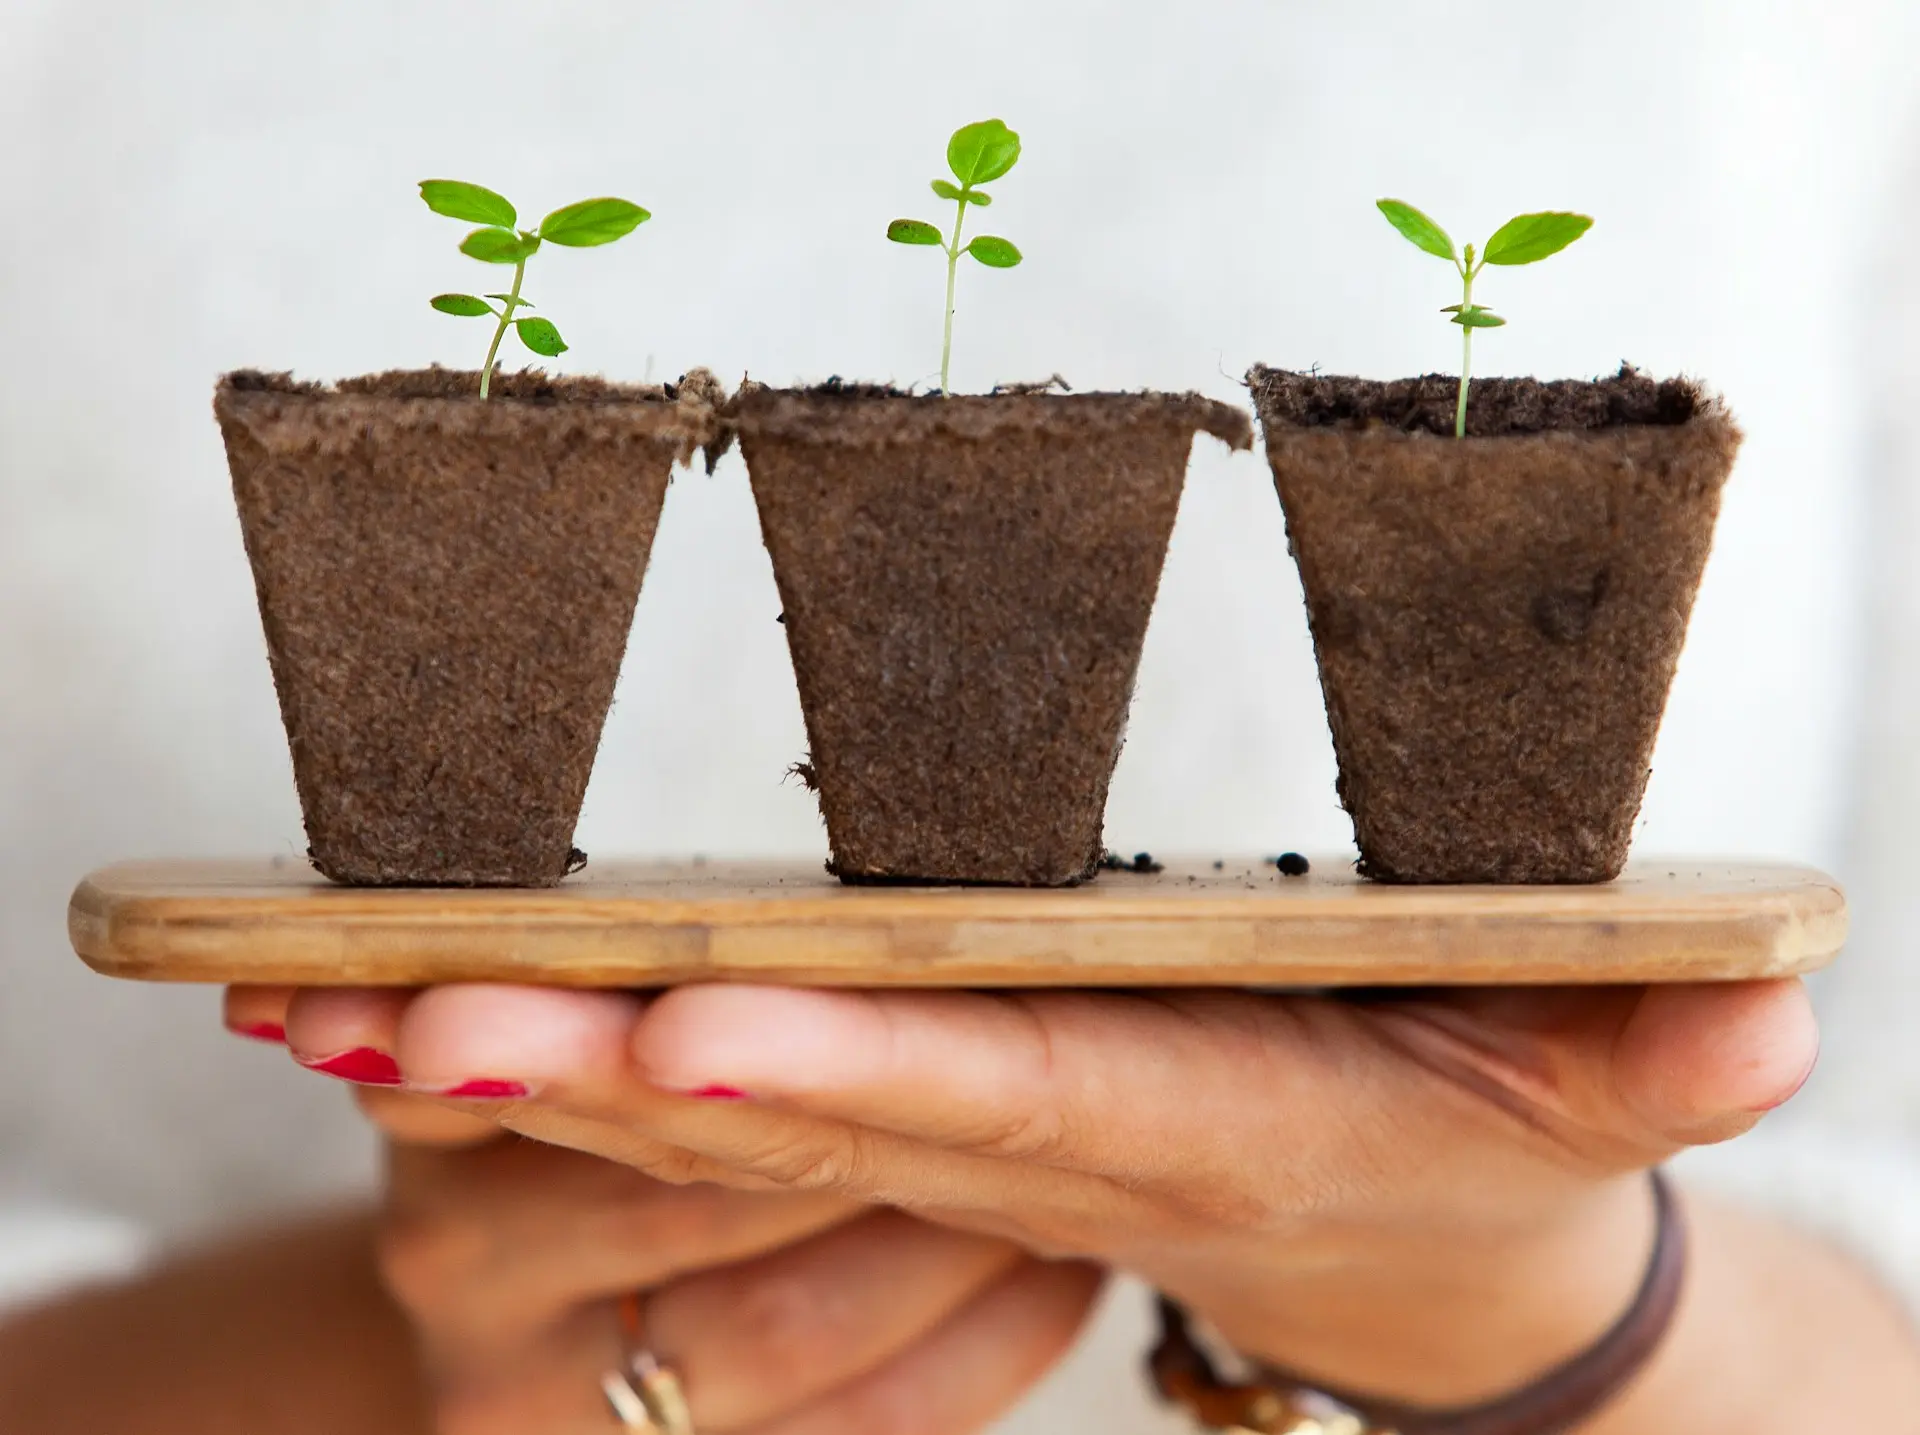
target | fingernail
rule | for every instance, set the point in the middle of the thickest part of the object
(482, 1089)
(363, 1066)
(717, 1093)
(267, 1031)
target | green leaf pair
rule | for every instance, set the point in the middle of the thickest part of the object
(1524, 239)
(1473, 316)
(990, 250)
(539, 335)
(977, 154)
(584, 225)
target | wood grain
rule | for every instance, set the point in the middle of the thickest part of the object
(1243, 924)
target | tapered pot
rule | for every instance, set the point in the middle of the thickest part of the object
(446, 587)
(966, 585)
(1497, 618)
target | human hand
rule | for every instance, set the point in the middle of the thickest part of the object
(1330, 1181)
(784, 1313)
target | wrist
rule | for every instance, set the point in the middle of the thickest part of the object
(1445, 1319)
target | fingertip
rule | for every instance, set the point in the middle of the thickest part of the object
(324, 1024)
(758, 1040)
(475, 1037)
(1703, 1063)
(256, 1012)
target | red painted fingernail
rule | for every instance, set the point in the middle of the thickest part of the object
(268, 1031)
(718, 1093)
(485, 1089)
(363, 1066)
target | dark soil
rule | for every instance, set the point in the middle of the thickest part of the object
(1495, 407)
(446, 588)
(966, 584)
(1497, 621)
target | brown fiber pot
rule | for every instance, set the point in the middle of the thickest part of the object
(1497, 619)
(966, 584)
(446, 587)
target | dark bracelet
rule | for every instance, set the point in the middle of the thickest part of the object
(1277, 1402)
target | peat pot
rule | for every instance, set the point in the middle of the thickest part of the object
(1496, 618)
(446, 586)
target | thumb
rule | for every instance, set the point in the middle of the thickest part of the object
(1703, 1063)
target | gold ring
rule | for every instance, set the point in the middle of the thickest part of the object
(644, 1393)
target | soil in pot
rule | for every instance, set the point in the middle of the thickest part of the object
(446, 587)
(1497, 618)
(966, 585)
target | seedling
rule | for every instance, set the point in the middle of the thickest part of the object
(977, 154)
(584, 225)
(1526, 239)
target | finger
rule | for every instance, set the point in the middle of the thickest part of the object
(259, 1013)
(485, 1247)
(967, 1373)
(1135, 1088)
(1629, 1074)
(500, 1043)
(765, 1337)
(956, 1378)
(410, 1120)
(573, 1051)
(347, 1032)
(548, 1383)
(1701, 1064)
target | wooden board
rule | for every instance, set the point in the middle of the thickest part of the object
(1194, 924)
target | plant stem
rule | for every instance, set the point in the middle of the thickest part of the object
(1466, 350)
(953, 264)
(506, 318)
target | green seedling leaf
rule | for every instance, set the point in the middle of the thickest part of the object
(1530, 238)
(993, 251)
(976, 154)
(981, 153)
(1478, 318)
(968, 196)
(913, 231)
(1419, 229)
(471, 202)
(1525, 239)
(592, 222)
(584, 225)
(498, 246)
(540, 336)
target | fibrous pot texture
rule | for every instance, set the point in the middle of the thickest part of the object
(1497, 618)
(446, 587)
(966, 585)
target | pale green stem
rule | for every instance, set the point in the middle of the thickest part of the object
(506, 318)
(1466, 350)
(953, 264)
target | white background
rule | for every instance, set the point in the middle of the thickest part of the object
(202, 186)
